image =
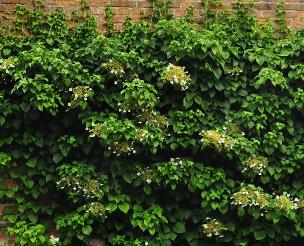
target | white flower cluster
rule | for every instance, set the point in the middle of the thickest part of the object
(7, 64)
(122, 108)
(232, 128)
(177, 75)
(90, 189)
(122, 148)
(177, 161)
(54, 240)
(215, 139)
(96, 209)
(80, 93)
(97, 130)
(235, 70)
(248, 196)
(146, 175)
(141, 135)
(117, 148)
(285, 202)
(213, 227)
(114, 67)
(256, 164)
(152, 118)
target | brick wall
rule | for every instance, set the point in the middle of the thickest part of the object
(123, 8)
(4, 186)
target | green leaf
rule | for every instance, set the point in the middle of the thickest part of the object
(297, 184)
(87, 230)
(128, 177)
(179, 228)
(57, 157)
(33, 218)
(217, 72)
(259, 235)
(31, 162)
(6, 52)
(124, 207)
(28, 183)
(112, 207)
(11, 218)
(230, 183)
(2, 120)
(147, 189)
(219, 86)
(241, 212)
(151, 231)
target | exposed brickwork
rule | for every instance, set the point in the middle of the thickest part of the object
(5, 240)
(133, 8)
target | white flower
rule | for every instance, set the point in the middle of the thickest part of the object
(54, 240)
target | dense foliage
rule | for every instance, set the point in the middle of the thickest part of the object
(165, 133)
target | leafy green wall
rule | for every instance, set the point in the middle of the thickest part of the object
(164, 133)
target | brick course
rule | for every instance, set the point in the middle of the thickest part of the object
(4, 239)
(133, 8)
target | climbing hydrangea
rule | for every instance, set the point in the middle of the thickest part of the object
(213, 227)
(152, 118)
(90, 189)
(97, 130)
(141, 135)
(7, 64)
(96, 209)
(114, 67)
(146, 175)
(122, 148)
(256, 164)
(54, 240)
(216, 140)
(250, 196)
(139, 111)
(80, 94)
(285, 202)
(177, 75)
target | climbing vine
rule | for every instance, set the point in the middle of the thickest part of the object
(163, 133)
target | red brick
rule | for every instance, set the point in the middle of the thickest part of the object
(98, 11)
(1, 210)
(11, 242)
(133, 8)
